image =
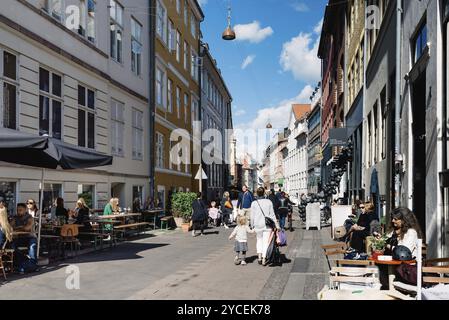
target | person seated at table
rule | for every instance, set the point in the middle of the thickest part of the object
(149, 204)
(32, 208)
(362, 229)
(137, 207)
(5, 228)
(59, 212)
(24, 222)
(81, 213)
(404, 230)
(111, 208)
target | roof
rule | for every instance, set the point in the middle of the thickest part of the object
(301, 110)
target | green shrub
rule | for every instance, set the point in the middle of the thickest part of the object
(182, 205)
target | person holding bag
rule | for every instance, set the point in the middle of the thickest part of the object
(226, 209)
(199, 215)
(263, 221)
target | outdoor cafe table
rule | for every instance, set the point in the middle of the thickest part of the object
(154, 213)
(391, 268)
(368, 294)
(117, 216)
(17, 234)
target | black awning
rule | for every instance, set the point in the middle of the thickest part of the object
(45, 152)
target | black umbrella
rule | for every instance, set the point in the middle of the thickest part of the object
(46, 153)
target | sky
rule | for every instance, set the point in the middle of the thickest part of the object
(272, 63)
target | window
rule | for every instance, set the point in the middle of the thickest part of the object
(136, 47)
(161, 16)
(383, 113)
(52, 191)
(54, 8)
(193, 25)
(137, 135)
(171, 37)
(194, 110)
(117, 128)
(420, 41)
(138, 194)
(178, 101)
(376, 133)
(160, 159)
(170, 95)
(160, 201)
(186, 55)
(186, 102)
(178, 6)
(160, 88)
(50, 103)
(86, 117)
(8, 95)
(8, 193)
(87, 192)
(370, 147)
(193, 66)
(87, 19)
(186, 14)
(116, 26)
(178, 46)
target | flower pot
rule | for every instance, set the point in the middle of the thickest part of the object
(377, 253)
(185, 227)
(179, 222)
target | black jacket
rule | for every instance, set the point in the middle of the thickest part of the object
(223, 207)
(275, 201)
(199, 211)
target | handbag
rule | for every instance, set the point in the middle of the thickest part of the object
(228, 205)
(269, 223)
(407, 273)
(282, 238)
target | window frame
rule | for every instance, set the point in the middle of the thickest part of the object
(161, 32)
(12, 82)
(137, 128)
(118, 125)
(87, 110)
(160, 150)
(169, 95)
(114, 54)
(51, 98)
(136, 65)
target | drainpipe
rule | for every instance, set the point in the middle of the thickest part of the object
(151, 98)
(397, 118)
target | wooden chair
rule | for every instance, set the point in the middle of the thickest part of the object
(354, 278)
(441, 262)
(354, 263)
(6, 259)
(337, 249)
(69, 235)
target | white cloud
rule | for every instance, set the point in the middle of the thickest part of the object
(248, 60)
(202, 2)
(278, 116)
(240, 112)
(252, 32)
(299, 55)
(300, 7)
(318, 27)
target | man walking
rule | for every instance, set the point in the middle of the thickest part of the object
(246, 198)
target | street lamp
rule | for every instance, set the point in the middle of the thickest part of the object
(229, 33)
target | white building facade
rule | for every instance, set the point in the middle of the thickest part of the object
(86, 86)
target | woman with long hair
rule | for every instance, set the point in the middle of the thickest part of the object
(362, 229)
(32, 208)
(226, 209)
(404, 230)
(5, 228)
(81, 213)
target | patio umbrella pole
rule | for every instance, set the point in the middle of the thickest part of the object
(41, 203)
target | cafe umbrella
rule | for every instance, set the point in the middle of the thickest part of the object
(47, 153)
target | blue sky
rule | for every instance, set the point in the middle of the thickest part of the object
(273, 61)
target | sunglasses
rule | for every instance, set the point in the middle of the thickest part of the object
(362, 207)
(30, 202)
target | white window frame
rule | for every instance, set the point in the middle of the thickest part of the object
(178, 101)
(52, 97)
(171, 36)
(84, 20)
(13, 82)
(186, 55)
(161, 17)
(137, 124)
(178, 6)
(161, 91)
(169, 95)
(48, 8)
(194, 65)
(136, 47)
(178, 46)
(160, 150)
(118, 26)
(117, 124)
(88, 111)
(193, 23)
(186, 104)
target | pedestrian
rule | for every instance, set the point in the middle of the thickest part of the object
(240, 233)
(244, 203)
(199, 215)
(260, 209)
(226, 209)
(275, 201)
(284, 203)
(214, 214)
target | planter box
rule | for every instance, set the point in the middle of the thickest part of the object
(179, 222)
(185, 227)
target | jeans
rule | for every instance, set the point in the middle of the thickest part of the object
(31, 243)
(2, 238)
(282, 218)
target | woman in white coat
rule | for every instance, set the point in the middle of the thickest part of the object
(261, 208)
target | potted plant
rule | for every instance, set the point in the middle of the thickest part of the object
(182, 209)
(378, 246)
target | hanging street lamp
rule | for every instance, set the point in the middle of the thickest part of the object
(229, 33)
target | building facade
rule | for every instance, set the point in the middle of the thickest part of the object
(276, 163)
(216, 114)
(314, 154)
(177, 95)
(295, 161)
(86, 85)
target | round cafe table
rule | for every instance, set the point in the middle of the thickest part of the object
(387, 270)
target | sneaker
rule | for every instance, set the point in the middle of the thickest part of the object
(243, 263)
(226, 227)
(193, 233)
(260, 261)
(237, 261)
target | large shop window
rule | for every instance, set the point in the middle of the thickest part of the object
(86, 117)
(9, 85)
(52, 191)
(8, 194)
(50, 103)
(116, 30)
(87, 192)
